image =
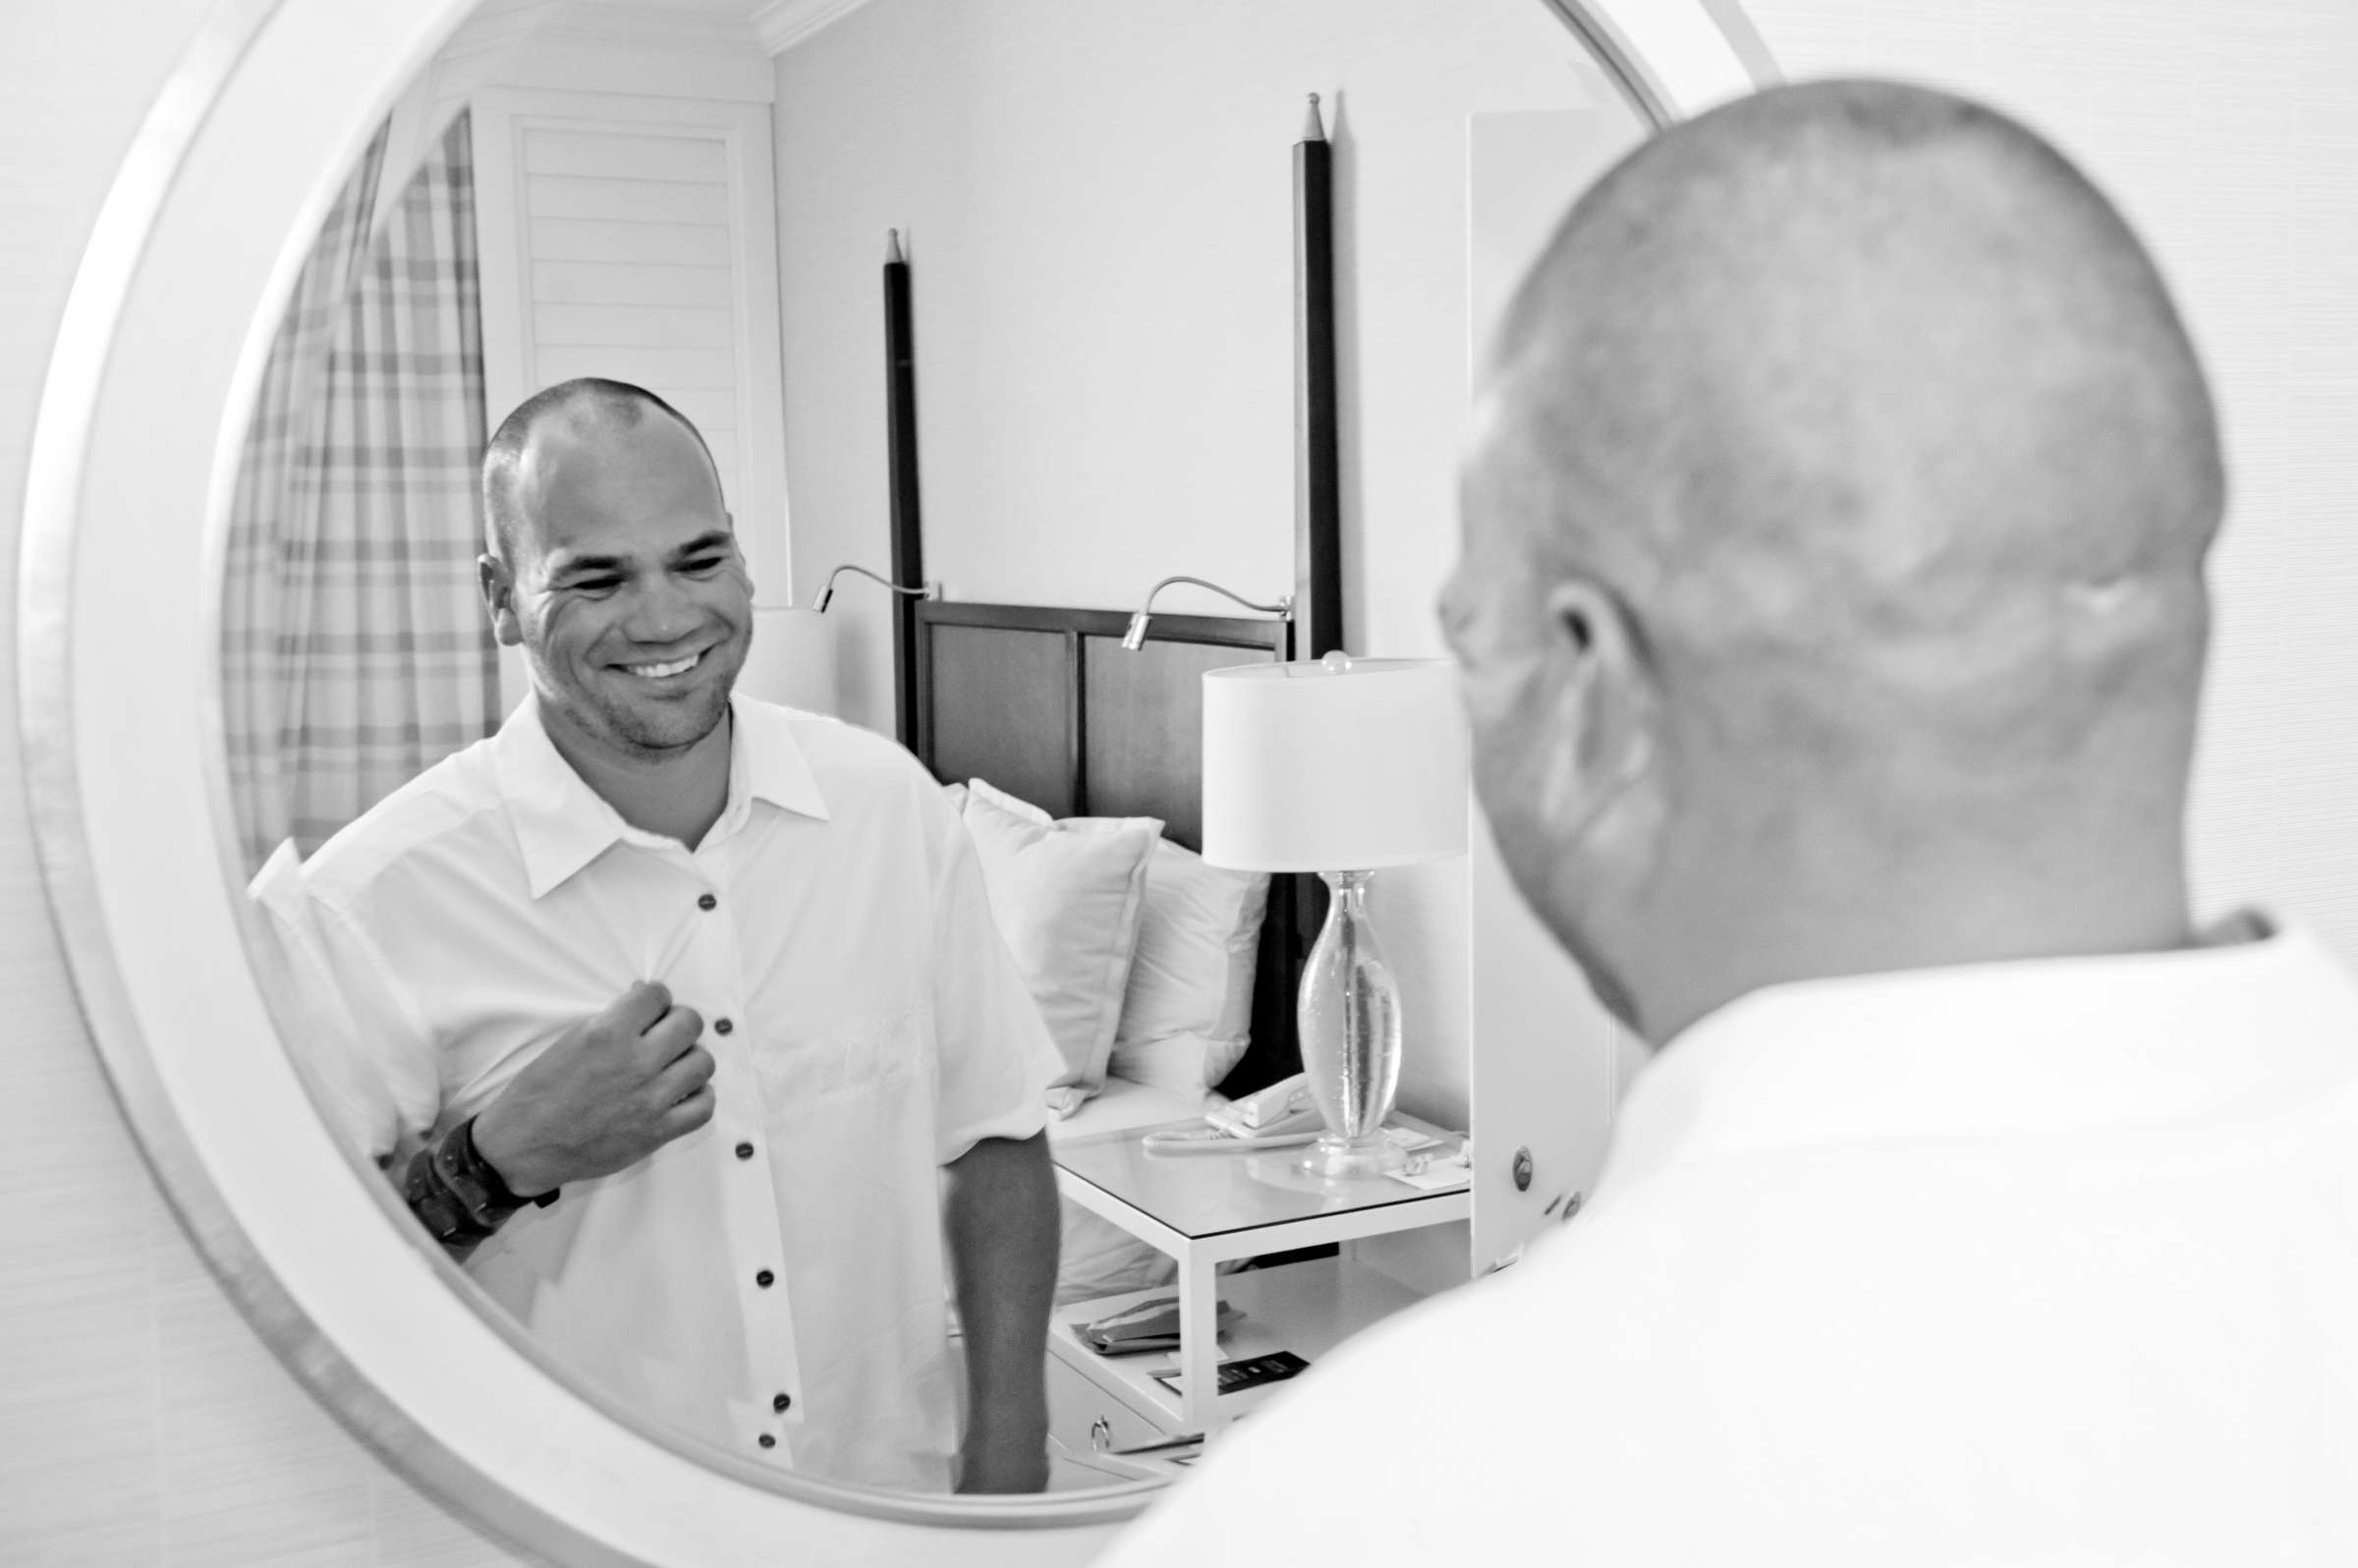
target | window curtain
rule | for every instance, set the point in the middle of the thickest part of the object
(355, 648)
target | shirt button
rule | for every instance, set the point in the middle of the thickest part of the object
(767, 1440)
(707, 901)
(722, 1027)
(744, 1152)
(765, 1279)
(782, 1403)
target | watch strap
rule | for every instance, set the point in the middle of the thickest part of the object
(456, 1195)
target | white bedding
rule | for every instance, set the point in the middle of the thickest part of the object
(1121, 1105)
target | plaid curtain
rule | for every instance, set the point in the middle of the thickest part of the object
(355, 648)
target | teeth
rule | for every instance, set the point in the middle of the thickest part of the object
(656, 672)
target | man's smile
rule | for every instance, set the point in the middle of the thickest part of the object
(668, 669)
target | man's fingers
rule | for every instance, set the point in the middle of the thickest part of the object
(690, 1113)
(672, 1034)
(691, 1071)
(637, 1010)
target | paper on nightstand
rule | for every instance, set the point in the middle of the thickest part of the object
(1433, 1172)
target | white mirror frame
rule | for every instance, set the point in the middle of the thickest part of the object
(193, 255)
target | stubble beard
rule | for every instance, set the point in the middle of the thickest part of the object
(668, 730)
(677, 728)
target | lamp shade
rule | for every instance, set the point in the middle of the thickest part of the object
(792, 661)
(1342, 764)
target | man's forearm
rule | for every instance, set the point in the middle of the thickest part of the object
(1002, 1225)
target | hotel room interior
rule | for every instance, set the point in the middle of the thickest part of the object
(1008, 303)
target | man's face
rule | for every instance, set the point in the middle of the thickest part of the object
(628, 595)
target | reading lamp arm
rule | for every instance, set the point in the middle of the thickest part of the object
(1284, 609)
(932, 590)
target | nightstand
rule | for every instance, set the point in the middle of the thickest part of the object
(1205, 1210)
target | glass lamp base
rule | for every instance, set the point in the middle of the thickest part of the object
(1334, 1159)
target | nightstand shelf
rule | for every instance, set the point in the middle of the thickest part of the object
(1207, 1209)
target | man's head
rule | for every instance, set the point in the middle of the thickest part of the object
(1830, 597)
(612, 563)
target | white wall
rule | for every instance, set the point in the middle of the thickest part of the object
(140, 1420)
(2229, 133)
(1097, 199)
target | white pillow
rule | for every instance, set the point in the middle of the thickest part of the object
(1067, 906)
(1186, 1015)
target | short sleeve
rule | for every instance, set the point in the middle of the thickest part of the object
(358, 1043)
(993, 1055)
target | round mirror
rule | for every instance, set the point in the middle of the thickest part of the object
(353, 238)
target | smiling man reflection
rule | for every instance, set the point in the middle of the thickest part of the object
(673, 1004)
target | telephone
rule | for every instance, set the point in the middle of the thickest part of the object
(1275, 1117)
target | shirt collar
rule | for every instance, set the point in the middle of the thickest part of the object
(562, 824)
(1989, 1050)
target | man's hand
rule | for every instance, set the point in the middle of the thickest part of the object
(614, 1087)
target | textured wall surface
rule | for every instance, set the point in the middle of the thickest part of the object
(141, 1421)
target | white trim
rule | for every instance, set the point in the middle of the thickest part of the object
(158, 357)
(784, 24)
(495, 28)
(633, 26)
(766, 528)
(677, 28)
(1676, 59)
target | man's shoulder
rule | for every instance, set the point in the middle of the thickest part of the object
(453, 807)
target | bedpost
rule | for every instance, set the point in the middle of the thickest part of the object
(907, 533)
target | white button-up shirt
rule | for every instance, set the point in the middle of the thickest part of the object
(777, 1275)
(2040, 1264)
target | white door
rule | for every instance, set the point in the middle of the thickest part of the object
(1548, 1062)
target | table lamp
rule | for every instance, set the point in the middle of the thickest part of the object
(1341, 767)
(792, 660)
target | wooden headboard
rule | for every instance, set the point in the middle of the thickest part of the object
(1046, 704)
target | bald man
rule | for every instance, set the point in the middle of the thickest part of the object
(670, 1007)
(1831, 619)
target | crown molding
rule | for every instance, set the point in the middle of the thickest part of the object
(784, 24)
(675, 28)
(694, 30)
(499, 26)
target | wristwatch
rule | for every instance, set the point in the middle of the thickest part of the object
(456, 1193)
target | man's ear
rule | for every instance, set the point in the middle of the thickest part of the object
(498, 585)
(1605, 699)
(745, 568)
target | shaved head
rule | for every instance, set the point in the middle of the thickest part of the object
(585, 407)
(1833, 538)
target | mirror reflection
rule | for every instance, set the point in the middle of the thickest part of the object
(726, 1021)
